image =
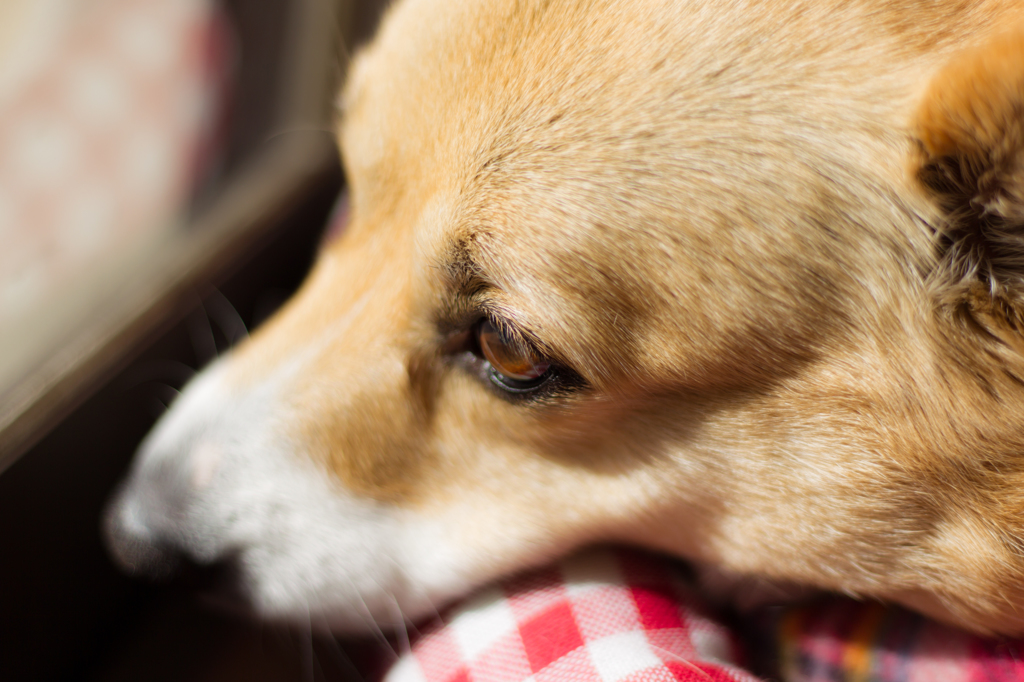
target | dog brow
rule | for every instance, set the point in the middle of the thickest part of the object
(463, 278)
(470, 290)
(461, 267)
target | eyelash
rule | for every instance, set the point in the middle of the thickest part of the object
(512, 365)
(556, 379)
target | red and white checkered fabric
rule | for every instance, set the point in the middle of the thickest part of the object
(603, 616)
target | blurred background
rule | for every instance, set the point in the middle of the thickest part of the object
(166, 170)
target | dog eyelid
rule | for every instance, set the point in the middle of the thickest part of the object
(513, 361)
(485, 333)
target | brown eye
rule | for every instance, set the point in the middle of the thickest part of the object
(513, 366)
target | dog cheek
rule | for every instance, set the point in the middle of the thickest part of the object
(373, 438)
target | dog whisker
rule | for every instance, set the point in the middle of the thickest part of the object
(166, 392)
(420, 592)
(375, 629)
(226, 316)
(157, 408)
(200, 333)
(164, 396)
(339, 656)
(158, 370)
(400, 625)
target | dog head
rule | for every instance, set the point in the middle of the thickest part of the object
(741, 283)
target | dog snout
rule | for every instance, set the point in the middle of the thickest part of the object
(144, 523)
(140, 548)
(135, 547)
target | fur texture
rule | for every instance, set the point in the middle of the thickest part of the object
(771, 249)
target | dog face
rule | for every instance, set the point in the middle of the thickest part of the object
(731, 281)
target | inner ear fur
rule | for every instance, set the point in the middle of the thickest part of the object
(970, 133)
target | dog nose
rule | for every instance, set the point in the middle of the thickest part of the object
(138, 552)
(135, 549)
(143, 524)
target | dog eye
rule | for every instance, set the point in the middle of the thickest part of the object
(513, 367)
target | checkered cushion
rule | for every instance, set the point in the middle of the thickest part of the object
(604, 616)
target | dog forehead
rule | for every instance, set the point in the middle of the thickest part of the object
(649, 161)
(441, 71)
(452, 94)
(612, 111)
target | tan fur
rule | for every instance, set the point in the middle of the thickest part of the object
(736, 221)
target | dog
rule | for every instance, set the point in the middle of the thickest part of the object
(741, 282)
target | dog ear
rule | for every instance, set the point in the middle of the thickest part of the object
(970, 133)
